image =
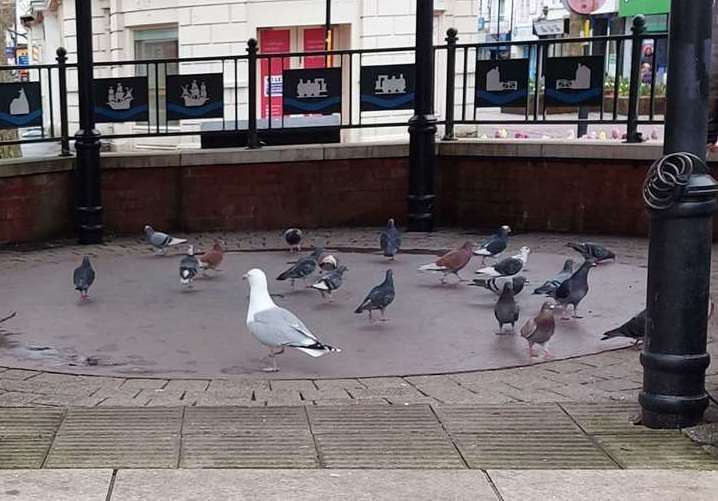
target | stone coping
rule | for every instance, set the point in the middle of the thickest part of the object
(586, 149)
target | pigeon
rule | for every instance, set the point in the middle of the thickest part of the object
(495, 245)
(276, 327)
(634, 329)
(574, 289)
(552, 284)
(330, 281)
(390, 240)
(451, 262)
(496, 285)
(379, 297)
(592, 251)
(161, 241)
(293, 236)
(211, 259)
(302, 268)
(506, 309)
(328, 263)
(539, 330)
(188, 267)
(83, 277)
(507, 267)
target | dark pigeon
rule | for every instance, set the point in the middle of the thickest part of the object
(552, 284)
(634, 329)
(506, 309)
(302, 268)
(592, 251)
(508, 266)
(379, 297)
(330, 281)
(574, 289)
(188, 267)
(496, 285)
(84, 277)
(293, 237)
(495, 244)
(539, 330)
(390, 240)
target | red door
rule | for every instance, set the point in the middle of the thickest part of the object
(272, 42)
(314, 40)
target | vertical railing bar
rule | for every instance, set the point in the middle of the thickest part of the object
(464, 83)
(282, 66)
(157, 97)
(52, 111)
(62, 87)
(236, 94)
(167, 122)
(351, 88)
(361, 54)
(651, 112)
(269, 89)
(537, 77)
(39, 80)
(617, 80)
(149, 115)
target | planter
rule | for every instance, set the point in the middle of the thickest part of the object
(644, 106)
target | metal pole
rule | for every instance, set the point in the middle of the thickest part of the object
(674, 358)
(451, 40)
(638, 28)
(62, 89)
(252, 141)
(87, 139)
(328, 25)
(422, 126)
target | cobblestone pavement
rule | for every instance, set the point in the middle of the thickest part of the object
(614, 375)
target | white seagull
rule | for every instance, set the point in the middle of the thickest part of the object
(276, 327)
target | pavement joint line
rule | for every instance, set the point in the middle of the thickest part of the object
(493, 485)
(450, 437)
(111, 486)
(321, 463)
(54, 435)
(181, 438)
(592, 438)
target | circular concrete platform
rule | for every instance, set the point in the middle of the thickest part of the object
(141, 322)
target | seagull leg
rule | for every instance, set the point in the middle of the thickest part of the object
(273, 357)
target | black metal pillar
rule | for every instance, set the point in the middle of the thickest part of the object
(252, 140)
(422, 126)
(674, 357)
(62, 83)
(638, 28)
(451, 40)
(88, 194)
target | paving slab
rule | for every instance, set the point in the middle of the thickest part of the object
(55, 485)
(373, 419)
(667, 449)
(664, 485)
(301, 485)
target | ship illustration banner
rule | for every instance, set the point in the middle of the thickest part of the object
(387, 87)
(574, 81)
(121, 100)
(317, 90)
(502, 83)
(195, 96)
(20, 105)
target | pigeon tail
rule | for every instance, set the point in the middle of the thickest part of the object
(176, 241)
(432, 267)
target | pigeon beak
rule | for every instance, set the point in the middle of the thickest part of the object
(244, 277)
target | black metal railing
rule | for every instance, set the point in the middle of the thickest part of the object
(247, 87)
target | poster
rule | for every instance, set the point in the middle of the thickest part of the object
(387, 87)
(20, 105)
(121, 100)
(574, 81)
(272, 42)
(314, 41)
(195, 96)
(502, 83)
(312, 91)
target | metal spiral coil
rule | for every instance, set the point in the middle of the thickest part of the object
(667, 178)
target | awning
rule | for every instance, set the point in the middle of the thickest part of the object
(636, 7)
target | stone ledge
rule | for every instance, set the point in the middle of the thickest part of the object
(32, 166)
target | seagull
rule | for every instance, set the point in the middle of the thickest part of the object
(495, 245)
(539, 330)
(506, 309)
(276, 327)
(379, 297)
(161, 241)
(507, 267)
(496, 285)
(330, 281)
(302, 268)
(552, 284)
(390, 240)
(211, 259)
(188, 267)
(592, 251)
(451, 262)
(575, 288)
(83, 277)
(293, 237)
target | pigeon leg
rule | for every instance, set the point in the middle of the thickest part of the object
(574, 312)
(459, 277)
(383, 316)
(292, 281)
(531, 350)
(443, 279)
(370, 317)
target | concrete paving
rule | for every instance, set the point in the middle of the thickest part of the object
(55, 485)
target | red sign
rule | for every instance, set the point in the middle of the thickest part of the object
(583, 6)
(272, 42)
(314, 41)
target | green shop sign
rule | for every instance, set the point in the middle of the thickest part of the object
(636, 7)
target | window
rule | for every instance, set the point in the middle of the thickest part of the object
(150, 45)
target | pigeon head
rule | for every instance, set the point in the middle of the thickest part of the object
(506, 229)
(86, 261)
(390, 223)
(389, 277)
(190, 250)
(149, 230)
(589, 263)
(217, 245)
(329, 262)
(547, 306)
(256, 278)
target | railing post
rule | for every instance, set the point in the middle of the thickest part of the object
(638, 28)
(252, 140)
(451, 39)
(62, 80)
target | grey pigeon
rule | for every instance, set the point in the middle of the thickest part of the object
(188, 267)
(293, 237)
(552, 284)
(495, 245)
(276, 327)
(592, 251)
(574, 289)
(390, 240)
(83, 277)
(328, 263)
(379, 297)
(304, 267)
(506, 309)
(634, 329)
(496, 285)
(330, 281)
(161, 241)
(539, 330)
(508, 266)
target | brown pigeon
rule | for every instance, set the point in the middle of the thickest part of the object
(451, 262)
(539, 330)
(211, 259)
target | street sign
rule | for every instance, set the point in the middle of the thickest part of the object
(574, 81)
(638, 7)
(121, 100)
(317, 90)
(502, 83)
(387, 87)
(20, 105)
(195, 96)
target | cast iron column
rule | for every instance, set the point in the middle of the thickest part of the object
(422, 126)
(87, 140)
(681, 196)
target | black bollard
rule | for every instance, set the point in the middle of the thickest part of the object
(681, 196)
